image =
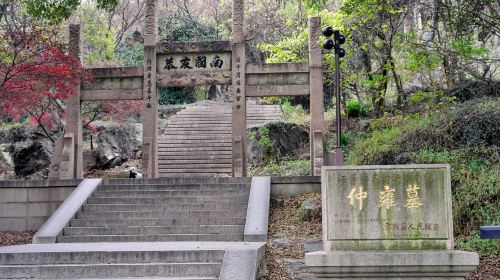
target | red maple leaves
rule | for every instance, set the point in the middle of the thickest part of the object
(36, 74)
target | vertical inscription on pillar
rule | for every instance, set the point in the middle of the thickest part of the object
(150, 20)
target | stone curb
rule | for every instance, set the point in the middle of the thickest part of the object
(54, 226)
(258, 210)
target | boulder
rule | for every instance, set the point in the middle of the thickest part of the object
(118, 144)
(286, 139)
(31, 157)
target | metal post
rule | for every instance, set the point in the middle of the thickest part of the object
(339, 154)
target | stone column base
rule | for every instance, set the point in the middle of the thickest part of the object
(392, 265)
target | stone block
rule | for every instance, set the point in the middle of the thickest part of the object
(35, 223)
(12, 224)
(11, 210)
(13, 195)
(392, 265)
(42, 209)
(406, 207)
(48, 194)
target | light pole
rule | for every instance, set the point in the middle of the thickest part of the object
(329, 44)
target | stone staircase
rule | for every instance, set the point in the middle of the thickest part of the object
(197, 141)
(208, 209)
(169, 228)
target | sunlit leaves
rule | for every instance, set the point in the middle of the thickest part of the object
(54, 11)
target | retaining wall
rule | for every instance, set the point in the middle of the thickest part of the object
(26, 205)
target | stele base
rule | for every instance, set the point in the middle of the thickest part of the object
(392, 265)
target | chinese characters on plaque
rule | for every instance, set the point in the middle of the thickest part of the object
(386, 197)
(194, 62)
(239, 96)
(149, 83)
(387, 205)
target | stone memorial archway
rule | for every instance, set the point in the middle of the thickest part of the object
(179, 64)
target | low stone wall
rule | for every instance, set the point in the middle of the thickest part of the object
(26, 205)
(293, 186)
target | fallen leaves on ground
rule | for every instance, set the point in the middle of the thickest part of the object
(10, 238)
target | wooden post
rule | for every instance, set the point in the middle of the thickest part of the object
(239, 95)
(73, 121)
(317, 96)
(150, 107)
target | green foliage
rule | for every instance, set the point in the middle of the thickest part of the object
(264, 140)
(174, 27)
(173, 96)
(273, 167)
(354, 109)
(55, 11)
(467, 139)
(99, 40)
(294, 114)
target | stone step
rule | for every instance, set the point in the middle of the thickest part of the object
(214, 129)
(171, 161)
(160, 187)
(199, 154)
(157, 200)
(195, 170)
(194, 175)
(230, 237)
(208, 167)
(165, 140)
(56, 271)
(179, 181)
(163, 207)
(168, 144)
(155, 222)
(167, 193)
(186, 214)
(222, 122)
(202, 157)
(139, 230)
(112, 257)
(195, 137)
(190, 149)
(201, 133)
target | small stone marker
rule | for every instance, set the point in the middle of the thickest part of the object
(388, 222)
(387, 208)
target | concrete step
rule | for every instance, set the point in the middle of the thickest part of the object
(165, 200)
(196, 162)
(195, 137)
(163, 207)
(162, 187)
(139, 230)
(230, 237)
(167, 165)
(166, 193)
(195, 170)
(111, 257)
(166, 140)
(56, 271)
(169, 129)
(193, 175)
(200, 133)
(186, 214)
(200, 154)
(193, 149)
(155, 222)
(204, 144)
(179, 181)
(206, 157)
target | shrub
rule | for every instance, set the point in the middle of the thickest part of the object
(354, 109)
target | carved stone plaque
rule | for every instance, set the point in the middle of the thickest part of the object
(387, 207)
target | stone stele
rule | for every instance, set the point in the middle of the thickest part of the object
(392, 222)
